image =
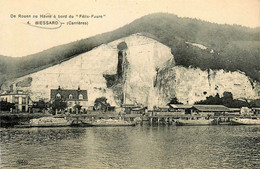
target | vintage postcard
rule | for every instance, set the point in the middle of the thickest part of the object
(130, 84)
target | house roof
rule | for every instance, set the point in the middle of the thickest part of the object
(181, 106)
(211, 108)
(66, 93)
(234, 109)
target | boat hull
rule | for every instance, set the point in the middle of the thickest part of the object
(194, 122)
(245, 121)
(50, 125)
(49, 122)
(110, 125)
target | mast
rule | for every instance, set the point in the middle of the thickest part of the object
(122, 47)
(124, 77)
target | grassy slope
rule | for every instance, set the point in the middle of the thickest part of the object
(236, 47)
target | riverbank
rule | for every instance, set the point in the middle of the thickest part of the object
(11, 119)
(8, 119)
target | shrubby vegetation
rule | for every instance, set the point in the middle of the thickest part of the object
(6, 106)
(228, 101)
(101, 104)
(59, 104)
(41, 104)
(235, 47)
(174, 101)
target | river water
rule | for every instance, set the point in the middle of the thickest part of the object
(131, 147)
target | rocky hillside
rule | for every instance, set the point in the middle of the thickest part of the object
(230, 48)
(89, 71)
(190, 85)
(139, 66)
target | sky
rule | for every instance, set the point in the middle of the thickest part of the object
(18, 39)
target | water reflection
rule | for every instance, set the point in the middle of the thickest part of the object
(132, 147)
(39, 135)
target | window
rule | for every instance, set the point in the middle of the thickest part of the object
(80, 96)
(24, 100)
(70, 104)
(58, 96)
(70, 96)
(16, 100)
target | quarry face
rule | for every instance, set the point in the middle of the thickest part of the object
(87, 71)
(134, 69)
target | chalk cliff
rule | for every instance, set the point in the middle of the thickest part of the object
(149, 75)
(87, 70)
(192, 84)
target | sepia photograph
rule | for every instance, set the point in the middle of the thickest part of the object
(130, 84)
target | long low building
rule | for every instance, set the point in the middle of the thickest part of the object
(181, 108)
(210, 109)
(191, 109)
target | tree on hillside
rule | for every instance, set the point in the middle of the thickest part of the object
(174, 100)
(226, 100)
(101, 104)
(235, 47)
(211, 100)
